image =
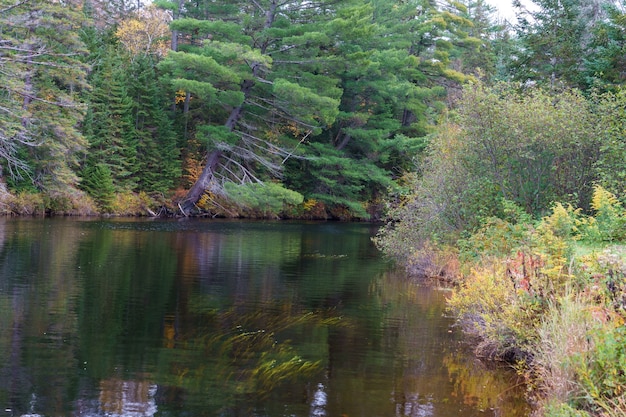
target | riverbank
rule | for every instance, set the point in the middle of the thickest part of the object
(130, 204)
(548, 297)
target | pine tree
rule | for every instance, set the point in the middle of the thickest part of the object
(41, 79)
(395, 70)
(555, 38)
(254, 81)
(98, 182)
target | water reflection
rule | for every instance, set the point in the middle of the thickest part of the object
(318, 405)
(171, 318)
(127, 398)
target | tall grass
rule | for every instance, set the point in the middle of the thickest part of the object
(563, 334)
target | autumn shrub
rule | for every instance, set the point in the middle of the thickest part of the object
(518, 270)
(263, 200)
(498, 236)
(311, 209)
(602, 372)
(435, 261)
(132, 204)
(83, 205)
(562, 334)
(72, 202)
(608, 223)
(503, 316)
(27, 203)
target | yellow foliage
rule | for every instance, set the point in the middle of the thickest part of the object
(564, 221)
(181, 95)
(492, 308)
(192, 164)
(603, 199)
(309, 204)
(127, 203)
(146, 32)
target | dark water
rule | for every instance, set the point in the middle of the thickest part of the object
(222, 318)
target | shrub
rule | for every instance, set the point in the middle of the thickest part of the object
(556, 409)
(503, 315)
(264, 200)
(602, 371)
(27, 203)
(131, 204)
(562, 334)
(608, 223)
(72, 202)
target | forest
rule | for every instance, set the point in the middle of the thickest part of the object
(287, 109)
(253, 108)
(492, 151)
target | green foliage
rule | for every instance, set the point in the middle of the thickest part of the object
(269, 199)
(157, 164)
(564, 222)
(559, 308)
(309, 107)
(498, 237)
(601, 371)
(609, 223)
(479, 55)
(527, 144)
(334, 178)
(553, 37)
(610, 164)
(501, 147)
(605, 60)
(98, 182)
(41, 82)
(563, 410)
(109, 124)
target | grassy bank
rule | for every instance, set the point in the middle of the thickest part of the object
(549, 297)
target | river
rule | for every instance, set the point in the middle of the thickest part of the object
(199, 317)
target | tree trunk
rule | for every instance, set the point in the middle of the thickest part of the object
(202, 183)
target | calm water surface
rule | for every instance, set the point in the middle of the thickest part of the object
(225, 318)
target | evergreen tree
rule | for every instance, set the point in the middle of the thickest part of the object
(395, 67)
(482, 60)
(255, 81)
(604, 65)
(108, 126)
(158, 165)
(554, 41)
(41, 78)
(98, 183)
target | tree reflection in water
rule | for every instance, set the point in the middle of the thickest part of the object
(119, 398)
(137, 318)
(318, 405)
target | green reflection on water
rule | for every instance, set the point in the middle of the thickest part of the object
(225, 318)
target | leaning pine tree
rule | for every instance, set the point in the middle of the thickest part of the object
(254, 81)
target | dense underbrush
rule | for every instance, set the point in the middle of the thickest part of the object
(549, 297)
(251, 201)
